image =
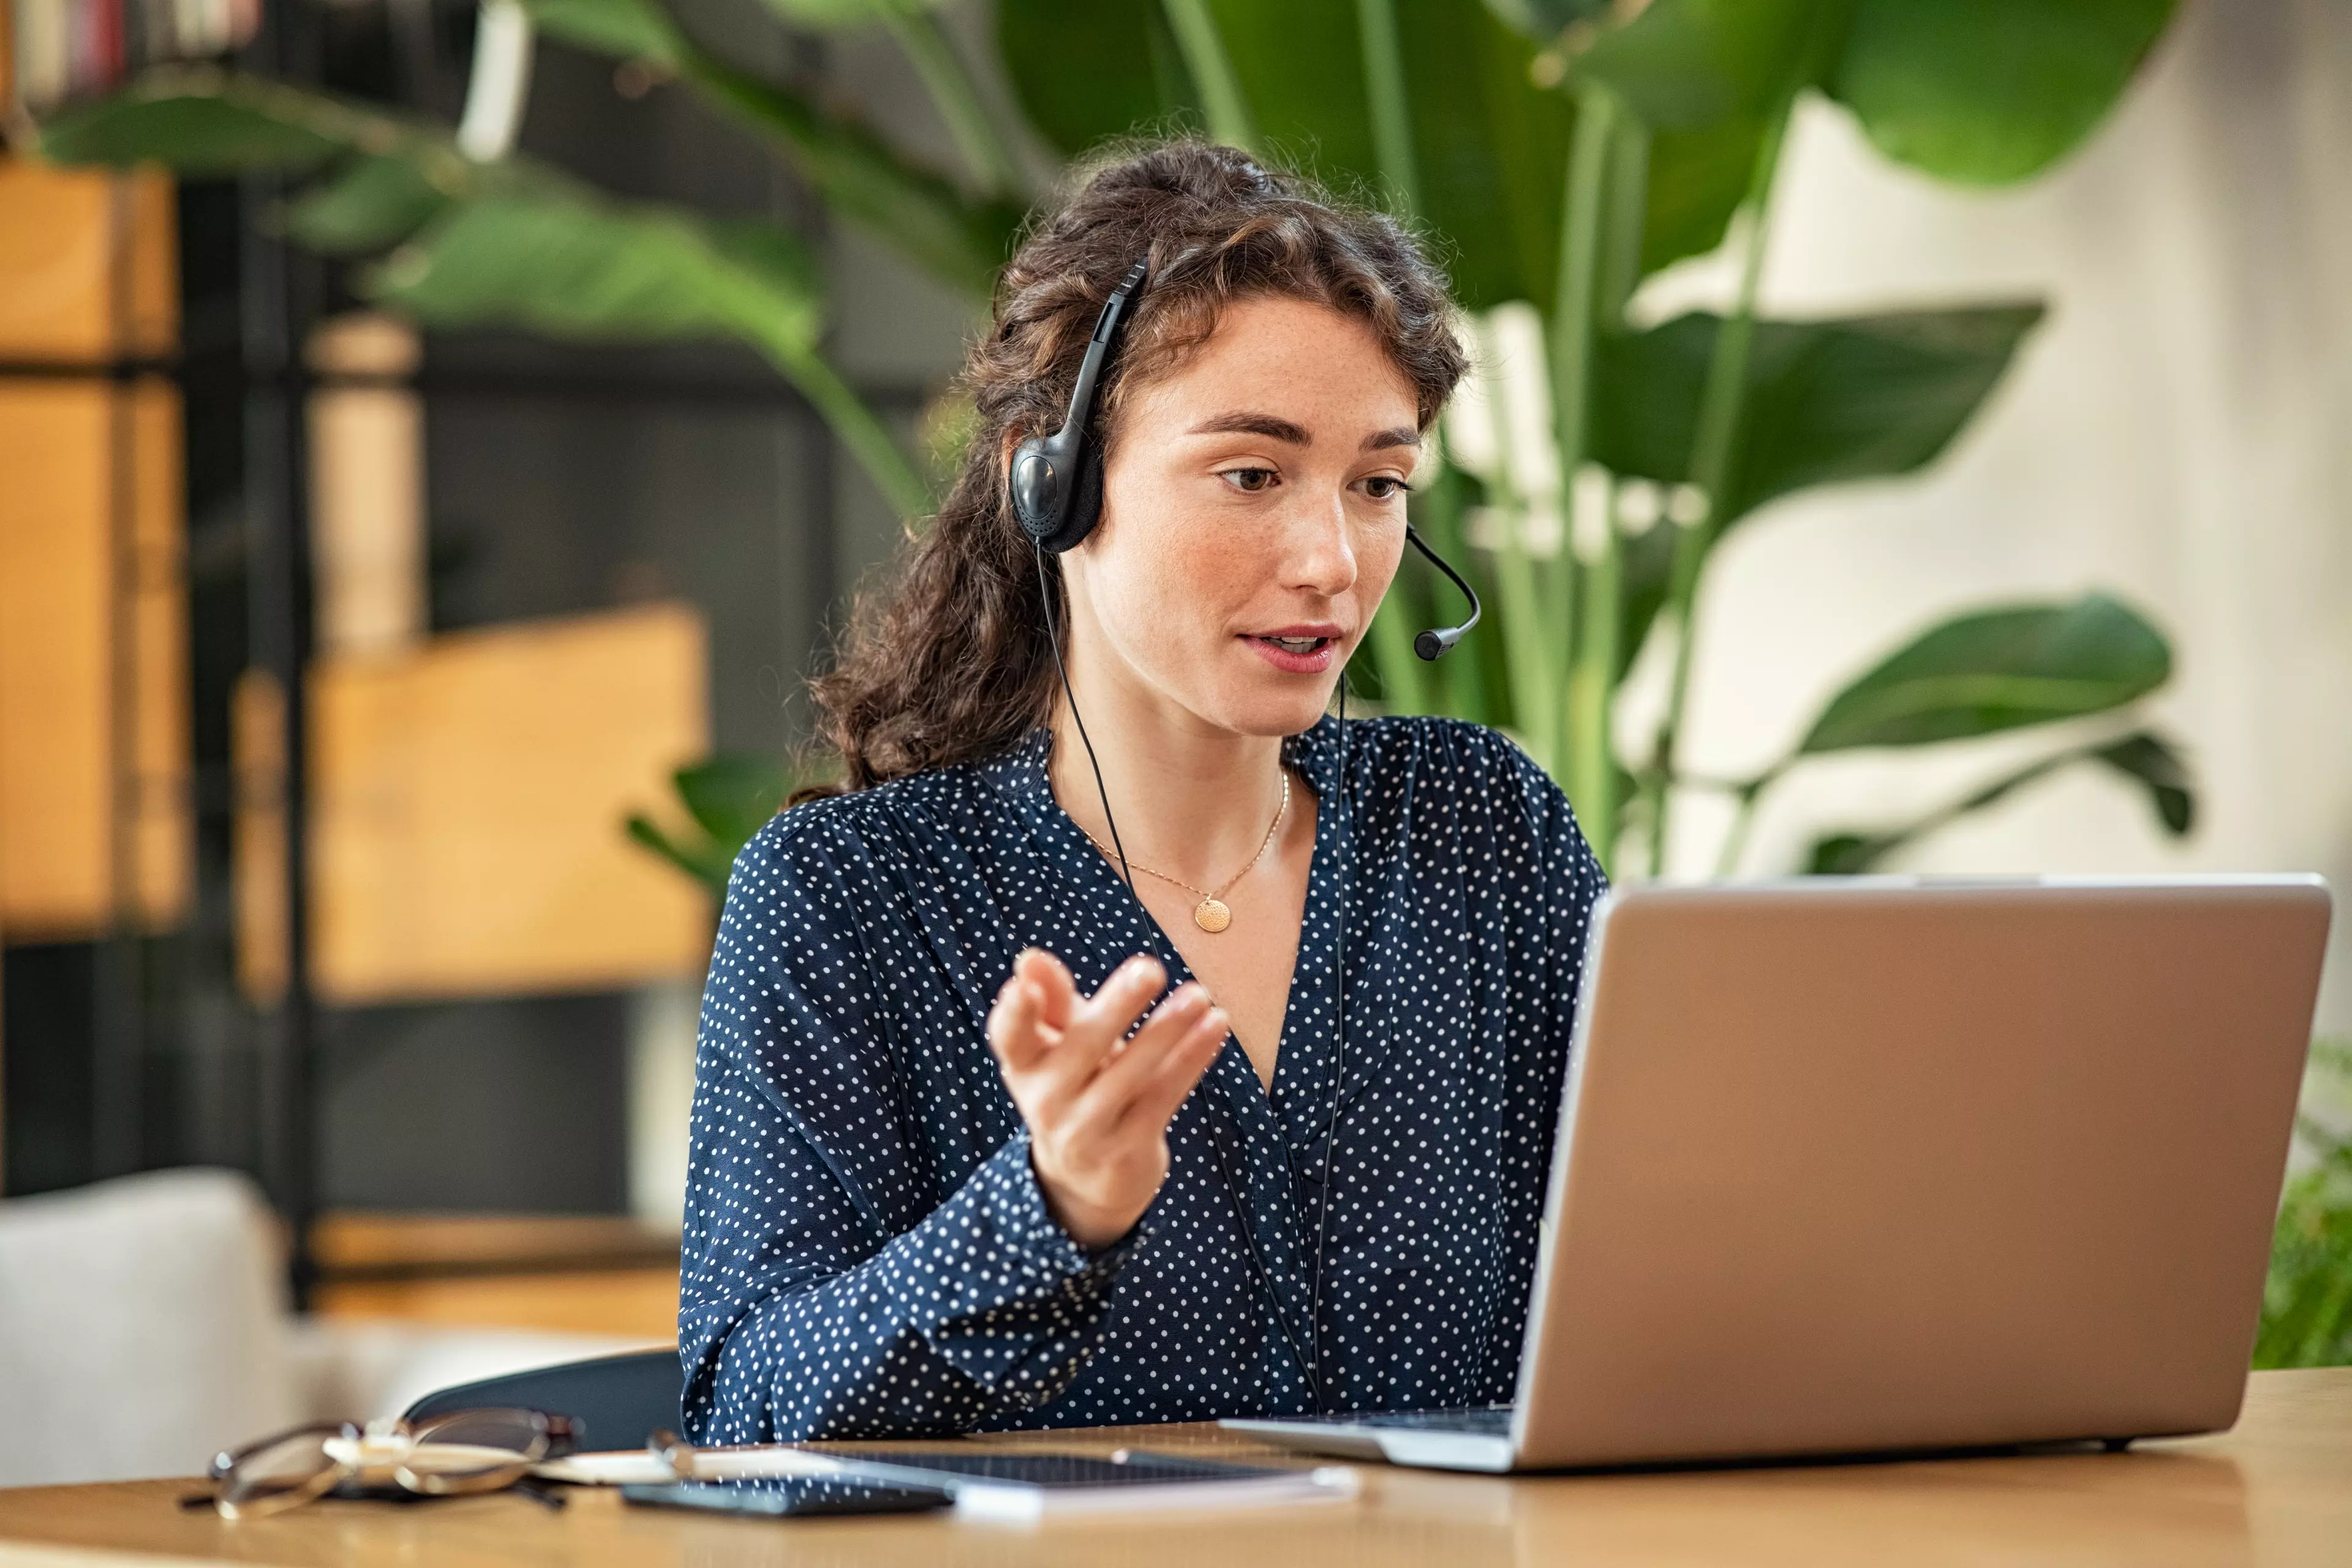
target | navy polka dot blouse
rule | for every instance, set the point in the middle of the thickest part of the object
(866, 1250)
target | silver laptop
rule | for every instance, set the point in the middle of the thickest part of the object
(1883, 1165)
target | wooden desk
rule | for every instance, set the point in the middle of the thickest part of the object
(2277, 1490)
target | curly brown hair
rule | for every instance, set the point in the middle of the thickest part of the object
(951, 663)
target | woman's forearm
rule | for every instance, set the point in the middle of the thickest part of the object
(982, 1310)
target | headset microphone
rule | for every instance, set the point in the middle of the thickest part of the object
(1432, 643)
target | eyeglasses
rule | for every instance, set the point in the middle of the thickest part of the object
(464, 1452)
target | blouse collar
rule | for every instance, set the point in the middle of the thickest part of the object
(1020, 777)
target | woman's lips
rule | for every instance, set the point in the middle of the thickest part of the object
(1314, 661)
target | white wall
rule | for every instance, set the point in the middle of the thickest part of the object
(2176, 432)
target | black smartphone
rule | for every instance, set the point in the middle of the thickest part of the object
(777, 1497)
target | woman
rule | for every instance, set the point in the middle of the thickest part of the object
(937, 1185)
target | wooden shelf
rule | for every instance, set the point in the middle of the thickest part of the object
(352, 1244)
(572, 1273)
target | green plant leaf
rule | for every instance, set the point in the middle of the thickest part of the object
(1852, 854)
(1545, 20)
(1705, 77)
(516, 244)
(2150, 762)
(631, 29)
(1979, 91)
(372, 203)
(1696, 181)
(570, 265)
(1990, 91)
(1086, 70)
(1998, 669)
(1829, 401)
(780, 261)
(833, 16)
(201, 122)
(578, 267)
(2308, 1297)
(916, 211)
(1844, 855)
(1687, 65)
(204, 123)
(704, 862)
(1300, 64)
(1490, 146)
(2145, 758)
(733, 795)
(920, 213)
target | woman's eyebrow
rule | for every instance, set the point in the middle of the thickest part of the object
(1246, 424)
(1276, 428)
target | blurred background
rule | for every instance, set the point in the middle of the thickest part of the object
(437, 439)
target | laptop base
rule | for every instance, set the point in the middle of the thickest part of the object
(1426, 1447)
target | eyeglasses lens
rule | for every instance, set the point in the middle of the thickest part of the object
(474, 1450)
(278, 1473)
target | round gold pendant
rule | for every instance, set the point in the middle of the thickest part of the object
(1212, 915)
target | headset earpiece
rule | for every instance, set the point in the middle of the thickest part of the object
(1056, 491)
(1054, 482)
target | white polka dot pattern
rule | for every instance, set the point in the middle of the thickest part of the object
(866, 1250)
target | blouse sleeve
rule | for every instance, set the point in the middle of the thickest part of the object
(833, 1283)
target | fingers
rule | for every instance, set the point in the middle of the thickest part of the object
(1096, 1100)
(1057, 993)
(1031, 1010)
(1169, 1079)
(1015, 1031)
(1040, 1025)
(1098, 1024)
(1186, 1011)
(1111, 1010)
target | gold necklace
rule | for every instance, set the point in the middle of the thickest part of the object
(1212, 915)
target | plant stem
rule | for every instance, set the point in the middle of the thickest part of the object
(1592, 754)
(1574, 303)
(1533, 707)
(1735, 842)
(913, 211)
(1593, 678)
(852, 421)
(1384, 94)
(1575, 618)
(1401, 676)
(956, 97)
(1402, 687)
(1212, 73)
(1713, 448)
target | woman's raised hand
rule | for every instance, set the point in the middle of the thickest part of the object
(1098, 1102)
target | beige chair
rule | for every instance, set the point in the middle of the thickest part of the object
(143, 1327)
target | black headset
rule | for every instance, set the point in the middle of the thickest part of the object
(1056, 487)
(1056, 481)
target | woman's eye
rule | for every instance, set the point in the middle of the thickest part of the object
(1381, 487)
(1250, 480)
